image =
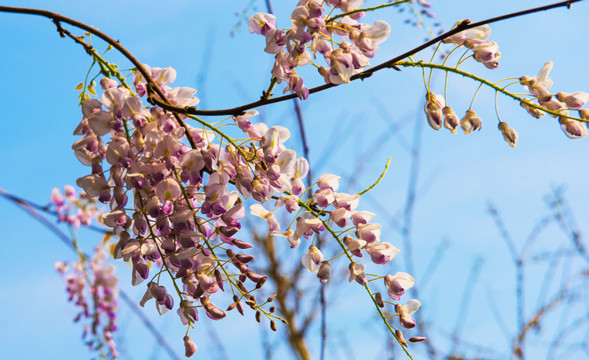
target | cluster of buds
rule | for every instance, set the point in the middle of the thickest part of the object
(93, 286)
(188, 191)
(475, 39)
(313, 32)
(65, 203)
(560, 103)
(438, 114)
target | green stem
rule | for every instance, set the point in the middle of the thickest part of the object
(349, 256)
(268, 93)
(485, 82)
(377, 180)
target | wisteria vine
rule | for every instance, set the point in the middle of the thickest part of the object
(177, 185)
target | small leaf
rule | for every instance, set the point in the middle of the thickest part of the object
(91, 90)
(80, 86)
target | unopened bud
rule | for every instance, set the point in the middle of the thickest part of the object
(271, 298)
(509, 134)
(471, 122)
(433, 110)
(451, 121)
(189, 346)
(258, 316)
(537, 113)
(244, 258)
(417, 339)
(378, 298)
(239, 307)
(324, 273)
(574, 129)
(261, 282)
(273, 325)
(399, 335)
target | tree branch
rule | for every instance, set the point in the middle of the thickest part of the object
(262, 102)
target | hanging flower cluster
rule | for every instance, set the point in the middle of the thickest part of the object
(93, 286)
(560, 102)
(438, 113)
(85, 206)
(475, 39)
(177, 194)
(314, 30)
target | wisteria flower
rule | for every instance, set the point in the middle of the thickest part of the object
(261, 23)
(312, 259)
(397, 284)
(382, 253)
(405, 312)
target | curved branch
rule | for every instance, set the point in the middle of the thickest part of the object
(466, 24)
(262, 102)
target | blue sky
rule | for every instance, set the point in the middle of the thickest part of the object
(459, 174)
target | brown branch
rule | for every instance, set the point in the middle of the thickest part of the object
(284, 287)
(534, 322)
(518, 263)
(366, 74)
(262, 102)
(152, 87)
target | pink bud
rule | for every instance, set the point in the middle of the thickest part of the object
(189, 346)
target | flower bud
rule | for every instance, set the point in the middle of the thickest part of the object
(574, 129)
(378, 298)
(415, 339)
(537, 113)
(189, 346)
(451, 121)
(509, 134)
(433, 110)
(324, 273)
(312, 259)
(471, 122)
(399, 335)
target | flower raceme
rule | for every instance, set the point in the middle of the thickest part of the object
(177, 195)
(314, 32)
(93, 286)
(438, 113)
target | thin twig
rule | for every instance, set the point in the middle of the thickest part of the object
(465, 302)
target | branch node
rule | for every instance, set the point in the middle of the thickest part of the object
(60, 30)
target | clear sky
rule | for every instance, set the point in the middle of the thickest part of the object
(347, 126)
